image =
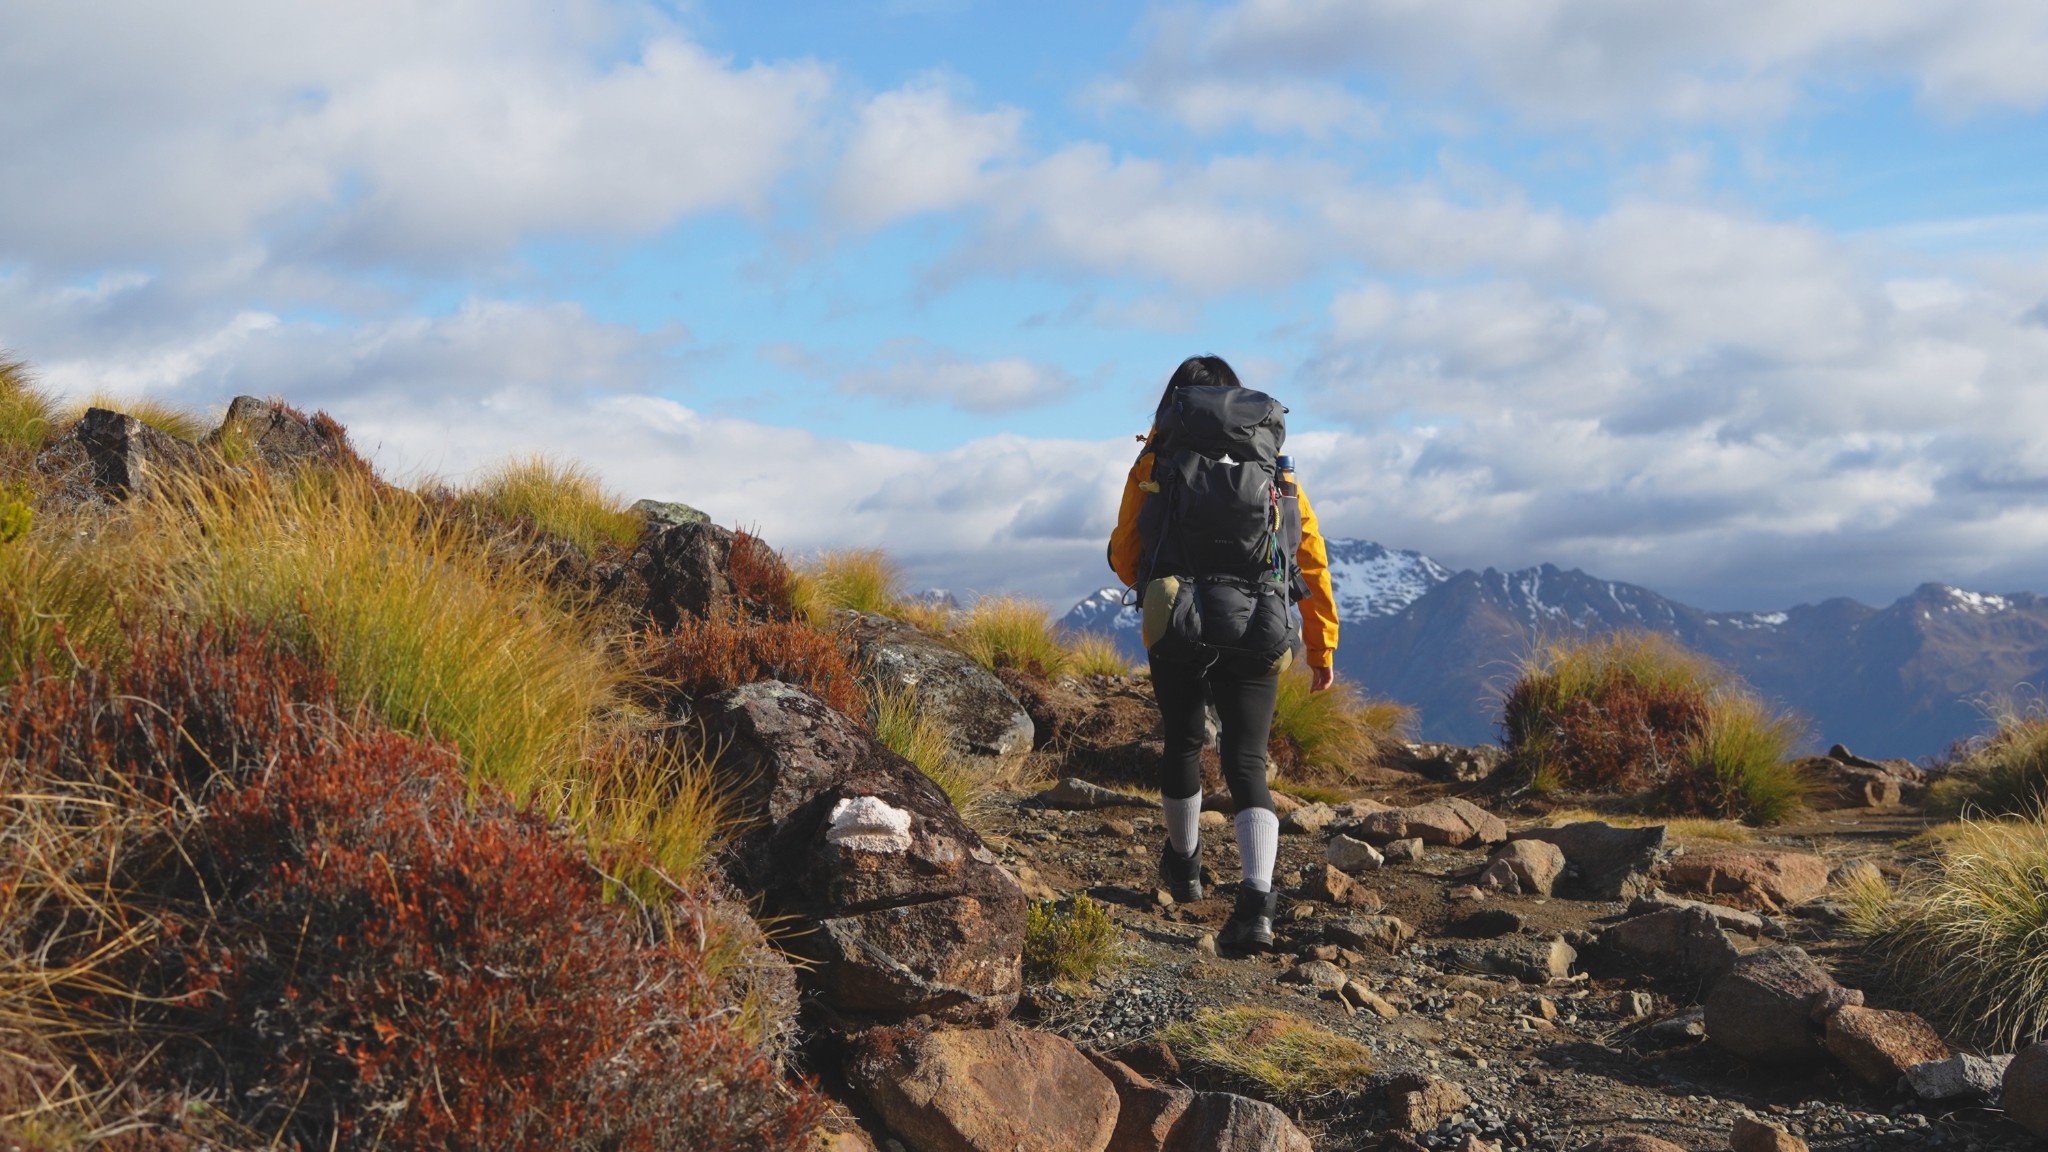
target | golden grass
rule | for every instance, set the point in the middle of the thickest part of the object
(27, 413)
(900, 722)
(1337, 731)
(1969, 943)
(1289, 1058)
(165, 417)
(1683, 829)
(1013, 632)
(1071, 942)
(1093, 654)
(565, 499)
(63, 597)
(1741, 764)
(849, 580)
(2002, 773)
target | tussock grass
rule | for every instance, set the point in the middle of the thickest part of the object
(1637, 713)
(2002, 773)
(1329, 735)
(1093, 654)
(1684, 829)
(63, 597)
(27, 413)
(161, 415)
(849, 580)
(1070, 942)
(563, 498)
(1013, 632)
(903, 727)
(1970, 942)
(1287, 1058)
(1309, 793)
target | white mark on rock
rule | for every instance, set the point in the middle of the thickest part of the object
(869, 824)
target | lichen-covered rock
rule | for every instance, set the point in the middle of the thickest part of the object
(279, 437)
(685, 570)
(108, 456)
(985, 1090)
(1612, 863)
(1958, 1077)
(1879, 1046)
(907, 911)
(1762, 1010)
(980, 712)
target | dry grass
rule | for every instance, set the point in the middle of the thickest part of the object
(1684, 829)
(1328, 736)
(1013, 632)
(900, 722)
(27, 413)
(1070, 942)
(1741, 765)
(565, 499)
(165, 417)
(852, 580)
(1969, 943)
(1286, 1058)
(2003, 773)
(1093, 654)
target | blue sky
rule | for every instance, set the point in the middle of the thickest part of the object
(1745, 299)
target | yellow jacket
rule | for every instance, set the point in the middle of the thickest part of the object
(1318, 612)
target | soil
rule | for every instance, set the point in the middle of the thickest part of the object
(1598, 1068)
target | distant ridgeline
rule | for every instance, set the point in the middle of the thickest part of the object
(1905, 680)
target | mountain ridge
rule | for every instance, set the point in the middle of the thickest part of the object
(1905, 679)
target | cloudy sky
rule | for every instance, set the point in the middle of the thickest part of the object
(1746, 300)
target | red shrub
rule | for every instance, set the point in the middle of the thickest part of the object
(353, 950)
(760, 577)
(702, 657)
(1625, 736)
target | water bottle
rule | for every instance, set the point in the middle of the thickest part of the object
(1284, 469)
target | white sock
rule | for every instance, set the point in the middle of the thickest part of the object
(1183, 822)
(1258, 842)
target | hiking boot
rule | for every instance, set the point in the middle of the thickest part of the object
(1182, 875)
(1250, 927)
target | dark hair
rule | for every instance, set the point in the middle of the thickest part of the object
(1195, 372)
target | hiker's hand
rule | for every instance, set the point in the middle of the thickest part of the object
(1321, 678)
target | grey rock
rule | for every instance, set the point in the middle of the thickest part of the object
(1386, 933)
(1761, 1010)
(661, 514)
(2024, 1092)
(1730, 919)
(1076, 793)
(1408, 851)
(1320, 975)
(984, 717)
(108, 455)
(1688, 940)
(1613, 863)
(1352, 855)
(1530, 866)
(1308, 820)
(1958, 1077)
(279, 438)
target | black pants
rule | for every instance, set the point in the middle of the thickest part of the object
(1244, 706)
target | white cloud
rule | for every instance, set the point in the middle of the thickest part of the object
(1623, 61)
(911, 370)
(917, 150)
(406, 131)
(1317, 110)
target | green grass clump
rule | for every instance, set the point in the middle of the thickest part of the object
(1093, 654)
(1287, 1058)
(851, 580)
(17, 512)
(2004, 773)
(1071, 942)
(1329, 735)
(1637, 713)
(27, 413)
(1970, 942)
(562, 498)
(1013, 632)
(167, 418)
(900, 722)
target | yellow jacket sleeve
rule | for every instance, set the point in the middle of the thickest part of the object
(1124, 547)
(1319, 611)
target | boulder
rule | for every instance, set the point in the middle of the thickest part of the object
(1407, 851)
(1879, 1046)
(108, 455)
(1418, 1103)
(1308, 820)
(1837, 785)
(1958, 1077)
(1761, 1010)
(1901, 769)
(1387, 933)
(1450, 822)
(980, 711)
(2025, 1090)
(1778, 879)
(1351, 855)
(1612, 863)
(684, 570)
(660, 514)
(1687, 941)
(1155, 1119)
(1530, 866)
(1075, 793)
(1450, 763)
(1106, 729)
(1630, 1142)
(1730, 919)
(281, 438)
(1751, 1135)
(985, 1090)
(907, 911)
(1320, 975)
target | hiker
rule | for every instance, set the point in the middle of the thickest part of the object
(1218, 541)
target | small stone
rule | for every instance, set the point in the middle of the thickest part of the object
(1119, 828)
(1320, 975)
(1366, 998)
(1207, 944)
(1308, 820)
(1386, 933)
(1074, 792)
(1958, 1077)
(1406, 851)
(1214, 821)
(1487, 924)
(1531, 866)
(1329, 883)
(1417, 1103)
(1352, 855)
(1750, 1135)
(1546, 1007)
(1470, 893)
(1640, 1004)
(1880, 1046)
(1162, 897)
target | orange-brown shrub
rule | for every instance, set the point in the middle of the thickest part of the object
(347, 946)
(702, 657)
(760, 577)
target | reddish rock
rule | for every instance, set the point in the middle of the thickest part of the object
(1530, 866)
(1613, 863)
(1450, 823)
(1779, 878)
(1761, 1010)
(1155, 1119)
(1417, 1103)
(1386, 933)
(985, 1090)
(909, 916)
(1879, 1046)
(1756, 1136)
(2025, 1095)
